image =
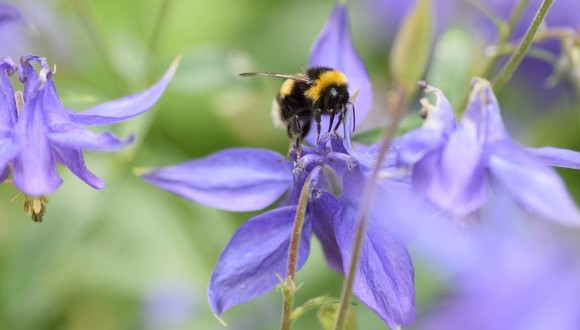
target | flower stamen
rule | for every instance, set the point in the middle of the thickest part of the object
(19, 97)
(35, 206)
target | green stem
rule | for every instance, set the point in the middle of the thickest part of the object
(154, 41)
(504, 36)
(398, 100)
(510, 67)
(289, 288)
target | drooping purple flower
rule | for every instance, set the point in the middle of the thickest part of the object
(250, 179)
(37, 130)
(456, 165)
(506, 274)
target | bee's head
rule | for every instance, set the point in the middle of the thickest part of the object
(338, 97)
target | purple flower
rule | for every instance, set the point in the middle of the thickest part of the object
(456, 165)
(507, 274)
(251, 179)
(245, 179)
(36, 130)
(9, 14)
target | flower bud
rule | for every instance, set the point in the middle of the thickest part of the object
(411, 48)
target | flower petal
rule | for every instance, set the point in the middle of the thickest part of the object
(459, 182)
(257, 252)
(557, 157)
(4, 174)
(483, 113)
(440, 117)
(34, 168)
(334, 48)
(7, 112)
(7, 102)
(324, 209)
(8, 151)
(415, 145)
(240, 179)
(76, 137)
(534, 185)
(385, 278)
(126, 107)
(74, 160)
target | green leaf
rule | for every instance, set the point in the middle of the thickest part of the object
(312, 304)
(327, 316)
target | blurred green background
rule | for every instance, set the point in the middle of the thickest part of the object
(133, 256)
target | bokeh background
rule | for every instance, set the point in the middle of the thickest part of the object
(135, 257)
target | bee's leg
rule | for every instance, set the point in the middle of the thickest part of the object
(298, 148)
(305, 128)
(340, 118)
(331, 121)
(294, 132)
(317, 118)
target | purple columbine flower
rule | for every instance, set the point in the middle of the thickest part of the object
(456, 165)
(36, 130)
(510, 272)
(245, 179)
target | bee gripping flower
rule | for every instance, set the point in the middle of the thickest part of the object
(334, 48)
(41, 131)
(245, 179)
(455, 166)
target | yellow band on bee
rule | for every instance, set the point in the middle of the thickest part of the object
(326, 79)
(287, 87)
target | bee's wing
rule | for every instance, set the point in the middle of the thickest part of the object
(296, 77)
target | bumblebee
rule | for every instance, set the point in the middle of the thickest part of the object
(306, 96)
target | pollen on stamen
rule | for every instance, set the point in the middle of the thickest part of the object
(19, 97)
(35, 206)
(426, 108)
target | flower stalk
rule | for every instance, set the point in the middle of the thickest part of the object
(505, 32)
(289, 287)
(510, 67)
(397, 100)
(159, 23)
